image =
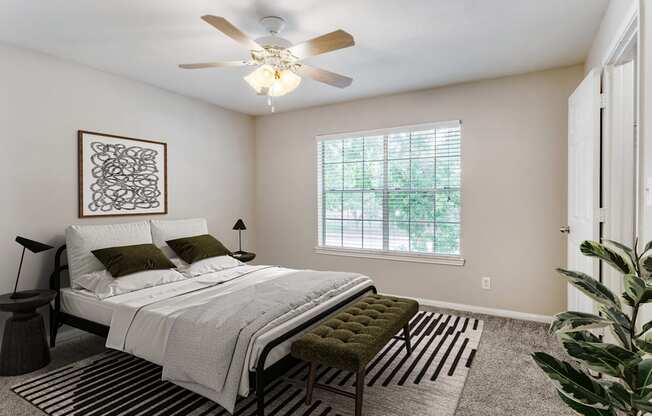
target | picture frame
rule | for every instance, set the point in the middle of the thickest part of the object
(121, 176)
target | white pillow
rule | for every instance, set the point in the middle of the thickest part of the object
(104, 285)
(81, 239)
(164, 230)
(209, 265)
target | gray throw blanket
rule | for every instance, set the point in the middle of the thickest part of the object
(208, 343)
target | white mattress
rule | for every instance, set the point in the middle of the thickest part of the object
(84, 304)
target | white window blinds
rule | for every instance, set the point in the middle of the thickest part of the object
(394, 190)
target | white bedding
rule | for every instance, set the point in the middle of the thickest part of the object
(84, 304)
(141, 321)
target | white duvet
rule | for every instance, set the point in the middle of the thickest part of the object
(142, 320)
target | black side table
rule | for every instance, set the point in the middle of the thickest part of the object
(24, 346)
(243, 256)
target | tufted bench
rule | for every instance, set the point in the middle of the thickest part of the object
(352, 338)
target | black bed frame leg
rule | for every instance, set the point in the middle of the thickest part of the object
(53, 336)
(54, 327)
(260, 392)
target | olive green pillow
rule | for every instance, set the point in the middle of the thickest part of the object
(124, 260)
(199, 247)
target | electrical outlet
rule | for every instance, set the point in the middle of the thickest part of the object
(486, 283)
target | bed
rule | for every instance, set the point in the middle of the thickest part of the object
(139, 322)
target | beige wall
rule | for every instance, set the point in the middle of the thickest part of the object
(44, 101)
(514, 172)
(514, 188)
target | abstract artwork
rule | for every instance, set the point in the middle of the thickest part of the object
(121, 175)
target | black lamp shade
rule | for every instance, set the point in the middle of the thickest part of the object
(34, 247)
(31, 245)
(239, 225)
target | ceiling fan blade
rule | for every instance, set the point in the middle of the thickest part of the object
(231, 31)
(214, 64)
(321, 75)
(322, 44)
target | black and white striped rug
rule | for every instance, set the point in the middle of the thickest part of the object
(428, 382)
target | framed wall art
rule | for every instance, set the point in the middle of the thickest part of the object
(121, 175)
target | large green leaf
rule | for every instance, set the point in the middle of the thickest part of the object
(634, 286)
(642, 398)
(583, 336)
(647, 264)
(577, 321)
(643, 345)
(572, 382)
(637, 290)
(628, 300)
(646, 327)
(617, 261)
(647, 247)
(644, 376)
(630, 252)
(586, 410)
(591, 287)
(601, 357)
(621, 326)
(643, 403)
(617, 317)
(644, 342)
(621, 397)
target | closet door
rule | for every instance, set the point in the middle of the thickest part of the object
(583, 182)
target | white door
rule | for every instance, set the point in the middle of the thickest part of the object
(583, 182)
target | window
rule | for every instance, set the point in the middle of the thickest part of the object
(391, 192)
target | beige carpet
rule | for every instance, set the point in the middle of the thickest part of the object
(502, 381)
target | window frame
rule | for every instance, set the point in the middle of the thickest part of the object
(452, 260)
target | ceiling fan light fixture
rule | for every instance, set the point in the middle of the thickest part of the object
(261, 79)
(286, 82)
(273, 82)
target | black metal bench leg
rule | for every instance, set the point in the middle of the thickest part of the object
(406, 335)
(311, 382)
(359, 391)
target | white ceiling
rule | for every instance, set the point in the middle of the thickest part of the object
(401, 45)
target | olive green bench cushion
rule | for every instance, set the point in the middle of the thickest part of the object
(349, 340)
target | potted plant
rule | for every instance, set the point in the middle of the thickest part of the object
(606, 379)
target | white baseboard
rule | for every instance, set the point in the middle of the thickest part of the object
(504, 313)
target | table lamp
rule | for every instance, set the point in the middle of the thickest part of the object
(239, 225)
(34, 247)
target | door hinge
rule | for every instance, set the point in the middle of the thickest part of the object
(603, 100)
(601, 215)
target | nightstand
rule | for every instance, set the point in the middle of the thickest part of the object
(243, 256)
(24, 346)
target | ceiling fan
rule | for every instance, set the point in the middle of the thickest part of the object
(280, 65)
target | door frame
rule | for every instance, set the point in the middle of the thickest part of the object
(626, 47)
(623, 48)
